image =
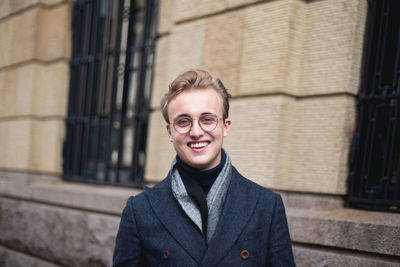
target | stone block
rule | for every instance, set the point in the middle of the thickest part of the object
(302, 48)
(101, 239)
(160, 84)
(160, 151)
(63, 236)
(312, 257)
(333, 45)
(15, 144)
(253, 138)
(265, 47)
(43, 237)
(17, 90)
(12, 258)
(165, 18)
(37, 33)
(51, 90)
(34, 89)
(190, 9)
(185, 48)
(357, 230)
(222, 45)
(296, 145)
(32, 145)
(46, 146)
(314, 145)
(18, 38)
(54, 33)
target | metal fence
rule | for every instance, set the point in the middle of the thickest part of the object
(374, 180)
(110, 89)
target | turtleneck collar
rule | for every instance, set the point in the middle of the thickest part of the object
(204, 178)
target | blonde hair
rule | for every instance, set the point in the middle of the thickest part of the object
(195, 78)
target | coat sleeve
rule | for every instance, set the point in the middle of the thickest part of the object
(280, 246)
(128, 251)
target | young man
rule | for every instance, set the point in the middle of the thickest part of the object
(204, 213)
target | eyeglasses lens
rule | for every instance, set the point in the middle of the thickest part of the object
(207, 123)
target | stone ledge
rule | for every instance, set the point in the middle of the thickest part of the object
(367, 231)
(313, 219)
(9, 257)
(64, 236)
(315, 257)
(320, 219)
(54, 191)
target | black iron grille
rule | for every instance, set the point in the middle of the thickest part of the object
(110, 89)
(374, 180)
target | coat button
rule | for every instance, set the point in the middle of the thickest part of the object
(165, 254)
(244, 254)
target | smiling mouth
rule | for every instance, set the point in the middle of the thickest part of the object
(198, 145)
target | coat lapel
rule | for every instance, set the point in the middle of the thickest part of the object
(177, 223)
(239, 205)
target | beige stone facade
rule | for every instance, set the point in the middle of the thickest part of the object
(290, 73)
(293, 68)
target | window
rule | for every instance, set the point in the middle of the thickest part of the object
(374, 179)
(110, 89)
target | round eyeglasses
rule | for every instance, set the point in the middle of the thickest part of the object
(207, 122)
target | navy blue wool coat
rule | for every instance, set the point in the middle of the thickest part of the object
(252, 230)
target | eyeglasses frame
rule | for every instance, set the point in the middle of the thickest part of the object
(198, 122)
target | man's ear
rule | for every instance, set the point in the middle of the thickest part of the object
(227, 126)
(169, 132)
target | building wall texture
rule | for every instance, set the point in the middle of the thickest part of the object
(293, 68)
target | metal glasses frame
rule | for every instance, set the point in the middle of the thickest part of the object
(199, 123)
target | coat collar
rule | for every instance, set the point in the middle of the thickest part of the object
(240, 202)
(174, 219)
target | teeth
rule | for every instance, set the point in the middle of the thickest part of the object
(198, 145)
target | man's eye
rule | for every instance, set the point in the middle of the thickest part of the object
(183, 122)
(208, 120)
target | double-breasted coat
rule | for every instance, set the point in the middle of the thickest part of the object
(252, 230)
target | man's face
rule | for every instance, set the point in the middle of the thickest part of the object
(198, 148)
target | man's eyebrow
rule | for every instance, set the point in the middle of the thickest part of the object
(207, 113)
(182, 115)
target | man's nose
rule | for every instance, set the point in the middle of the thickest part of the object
(196, 130)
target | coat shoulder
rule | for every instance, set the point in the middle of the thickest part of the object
(264, 192)
(141, 200)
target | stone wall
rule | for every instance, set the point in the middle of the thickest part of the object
(34, 73)
(293, 67)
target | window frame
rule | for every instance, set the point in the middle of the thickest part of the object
(112, 64)
(374, 178)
